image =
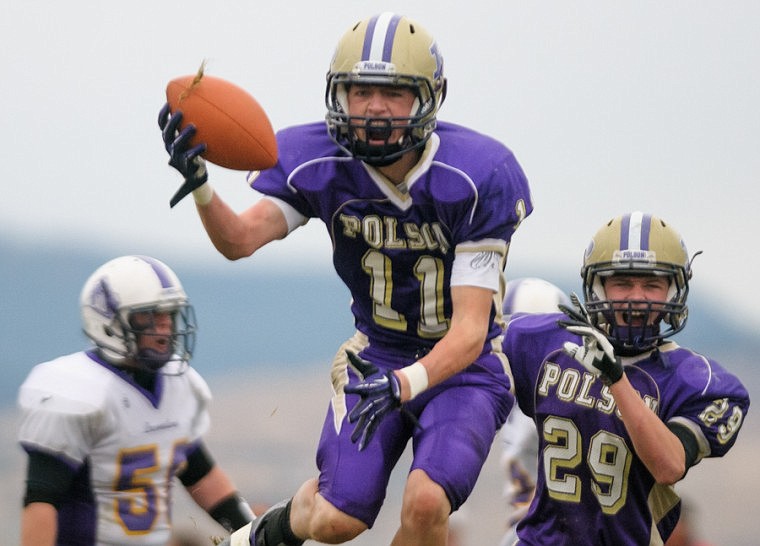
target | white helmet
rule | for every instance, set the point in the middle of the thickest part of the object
(532, 295)
(130, 284)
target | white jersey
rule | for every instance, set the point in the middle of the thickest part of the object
(519, 460)
(125, 443)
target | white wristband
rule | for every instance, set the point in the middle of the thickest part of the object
(417, 376)
(203, 194)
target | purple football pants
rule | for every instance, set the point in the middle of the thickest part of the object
(458, 420)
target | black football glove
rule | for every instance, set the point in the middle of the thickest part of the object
(380, 394)
(187, 160)
(597, 354)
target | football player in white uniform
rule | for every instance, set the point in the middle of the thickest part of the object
(107, 429)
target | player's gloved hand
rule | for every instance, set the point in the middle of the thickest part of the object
(380, 394)
(186, 159)
(597, 354)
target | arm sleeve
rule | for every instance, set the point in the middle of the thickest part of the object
(199, 463)
(690, 444)
(479, 265)
(232, 513)
(47, 479)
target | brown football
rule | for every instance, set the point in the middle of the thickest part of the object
(233, 125)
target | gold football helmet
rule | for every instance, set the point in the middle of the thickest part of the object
(392, 50)
(636, 244)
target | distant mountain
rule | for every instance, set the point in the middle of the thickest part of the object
(245, 319)
(248, 318)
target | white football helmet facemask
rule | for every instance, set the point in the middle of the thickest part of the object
(136, 284)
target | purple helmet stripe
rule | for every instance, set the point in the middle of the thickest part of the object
(625, 226)
(390, 34)
(160, 270)
(111, 303)
(368, 38)
(646, 224)
(634, 231)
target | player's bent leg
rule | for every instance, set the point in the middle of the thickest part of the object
(316, 518)
(424, 512)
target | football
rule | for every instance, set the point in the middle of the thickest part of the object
(233, 125)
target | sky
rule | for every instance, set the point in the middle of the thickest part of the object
(608, 106)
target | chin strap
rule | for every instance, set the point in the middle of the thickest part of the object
(152, 359)
(377, 156)
(631, 341)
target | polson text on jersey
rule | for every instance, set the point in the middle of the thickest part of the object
(573, 386)
(383, 232)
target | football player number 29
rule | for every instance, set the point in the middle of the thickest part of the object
(138, 499)
(609, 461)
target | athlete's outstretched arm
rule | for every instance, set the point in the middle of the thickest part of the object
(234, 235)
(237, 236)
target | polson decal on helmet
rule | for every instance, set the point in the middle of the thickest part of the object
(136, 284)
(386, 49)
(637, 244)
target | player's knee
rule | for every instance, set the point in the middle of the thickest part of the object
(333, 526)
(425, 507)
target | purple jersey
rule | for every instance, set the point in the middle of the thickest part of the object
(393, 246)
(592, 488)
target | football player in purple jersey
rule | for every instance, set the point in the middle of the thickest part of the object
(106, 430)
(622, 411)
(420, 214)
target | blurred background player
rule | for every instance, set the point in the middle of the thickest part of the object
(622, 411)
(519, 438)
(107, 429)
(420, 214)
